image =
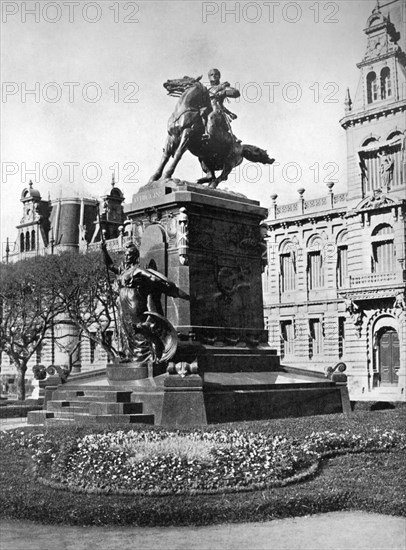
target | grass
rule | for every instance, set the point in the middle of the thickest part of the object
(373, 482)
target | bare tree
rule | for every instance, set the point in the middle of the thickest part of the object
(88, 297)
(29, 308)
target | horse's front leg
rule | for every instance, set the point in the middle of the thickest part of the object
(222, 177)
(164, 159)
(179, 152)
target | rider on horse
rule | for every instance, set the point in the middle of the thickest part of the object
(220, 117)
(201, 124)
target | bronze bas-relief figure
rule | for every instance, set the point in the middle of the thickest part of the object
(202, 125)
(146, 335)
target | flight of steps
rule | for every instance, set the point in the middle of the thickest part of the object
(87, 404)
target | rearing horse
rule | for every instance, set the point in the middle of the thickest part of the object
(186, 126)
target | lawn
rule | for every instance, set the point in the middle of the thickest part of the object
(368, 481)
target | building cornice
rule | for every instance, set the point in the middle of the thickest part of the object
(367, 115)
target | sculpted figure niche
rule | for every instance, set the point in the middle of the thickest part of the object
(201, 124)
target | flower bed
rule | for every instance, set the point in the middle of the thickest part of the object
(161, 462)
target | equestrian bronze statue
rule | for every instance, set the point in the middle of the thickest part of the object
(202, 125)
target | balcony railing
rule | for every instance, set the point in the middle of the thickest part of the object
(316, 206)
(372, 279)
(117, 244)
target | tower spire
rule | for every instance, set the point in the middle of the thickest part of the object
(348, 101)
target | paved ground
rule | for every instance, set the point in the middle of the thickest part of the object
(333, 531)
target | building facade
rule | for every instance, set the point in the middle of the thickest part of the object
(334, 286)
(67, 224)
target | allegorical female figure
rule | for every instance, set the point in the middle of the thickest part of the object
(146, 335)
(386, 170)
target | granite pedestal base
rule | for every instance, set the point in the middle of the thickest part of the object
(183, 404)
(128, 374)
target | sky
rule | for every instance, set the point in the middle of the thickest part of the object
(97, 105)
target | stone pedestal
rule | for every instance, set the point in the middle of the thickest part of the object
(127, 373)
(183, 403)
(208, 242)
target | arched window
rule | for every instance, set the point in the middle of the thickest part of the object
(287, 262)
(342, 259)
(382, 229)
(22, 242)
(372, 87)
(33, 243)
(394, 134)
(386, 85)
(383, 251)
(27, 241)
(315, 264)
(368, 141)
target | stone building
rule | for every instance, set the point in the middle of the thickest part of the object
(334, 287)
(54, 226)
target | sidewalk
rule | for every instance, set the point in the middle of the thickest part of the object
(332, 531)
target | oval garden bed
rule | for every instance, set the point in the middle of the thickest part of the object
(164, 462)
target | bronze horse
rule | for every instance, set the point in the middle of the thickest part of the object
(186, 129)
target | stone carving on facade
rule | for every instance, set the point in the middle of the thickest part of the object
(377, 200)
(382, 37)
(386, 170)
(399, 305)
(183, 236)
(356, 315)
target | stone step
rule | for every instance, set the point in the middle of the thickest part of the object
(57, 404)
(115, 408)
(68, 394)
(111, 396)
(96, 407)
(89, 388)
(126, 419)
(38, 417)
(105, 418)
(67, 407)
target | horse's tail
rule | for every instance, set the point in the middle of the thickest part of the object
(256, 154)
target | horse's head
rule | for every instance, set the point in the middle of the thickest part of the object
(177, 86)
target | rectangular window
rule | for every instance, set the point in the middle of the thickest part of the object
(287, 338)
(315, 338)
(341, 336)
(342, 266)
(383, 260)
(375, 90)
(315, 270)
(288, 272)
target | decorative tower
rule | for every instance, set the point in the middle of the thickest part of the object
(375, 124)
(111, 213)
(375, 120)
(34, 225)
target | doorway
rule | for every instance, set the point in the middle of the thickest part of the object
(389, 357)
